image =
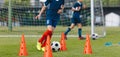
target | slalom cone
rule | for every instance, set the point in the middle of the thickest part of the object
(87, 48)
(48, 50)
(23, 51)
(63, 43)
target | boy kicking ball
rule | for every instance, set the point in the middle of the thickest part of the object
(53, 10)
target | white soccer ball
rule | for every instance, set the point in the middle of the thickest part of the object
(94, 36)
(55, 45)
(42, 0)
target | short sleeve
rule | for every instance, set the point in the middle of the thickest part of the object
(75, 5)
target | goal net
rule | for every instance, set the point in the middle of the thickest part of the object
(21, 18)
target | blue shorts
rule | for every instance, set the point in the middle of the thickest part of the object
(76, 20)
(52, 17)
(52, 22)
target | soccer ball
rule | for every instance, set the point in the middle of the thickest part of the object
(94, 36)
(55, 45)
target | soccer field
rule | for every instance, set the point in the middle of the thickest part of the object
(9, 47)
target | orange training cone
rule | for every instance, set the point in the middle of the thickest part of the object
(23, 51)
(87, 49)
(63, 43)
(48, 50)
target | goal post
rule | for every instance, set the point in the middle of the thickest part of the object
(97, 18)
(9, 16)
(92, 16)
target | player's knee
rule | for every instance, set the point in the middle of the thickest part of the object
(50, 28)
(79, 26)
(71, 27)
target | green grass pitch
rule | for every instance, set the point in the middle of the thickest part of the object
(9, 47)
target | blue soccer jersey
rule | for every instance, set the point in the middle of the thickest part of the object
(76, 14)
(52, 8)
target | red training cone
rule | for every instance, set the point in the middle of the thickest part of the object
(23, 51)
(87, 49)
(63, 43)
(48, 50)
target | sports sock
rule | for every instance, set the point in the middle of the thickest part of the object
(67, 31)
(44, 36)
(45, 40)
(80, 32)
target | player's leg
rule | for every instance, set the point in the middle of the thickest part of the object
(44, 35)
(71, 27)
(42, 40)
(51, 26)
(50, 31)
(80, 31)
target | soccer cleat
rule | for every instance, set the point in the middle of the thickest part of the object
(43, 49)
(38, 46)
(65, 37)
(81, 38)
